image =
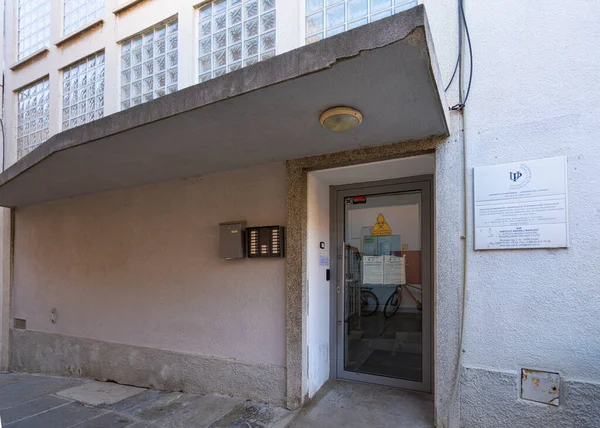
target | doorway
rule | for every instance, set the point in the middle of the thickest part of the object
(381, 241)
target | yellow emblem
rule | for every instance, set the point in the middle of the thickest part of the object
(381, 228)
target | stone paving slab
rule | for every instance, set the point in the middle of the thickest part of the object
(28, 401)
(107, 420)
(138, 402)
(166, 405)
(63, 416)
(8, 380)
(29, 408)
(202, 413)
(143, 425)
(31, 387)
(99, 393)
(251, 415)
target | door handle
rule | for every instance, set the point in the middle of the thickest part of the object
(343, 279)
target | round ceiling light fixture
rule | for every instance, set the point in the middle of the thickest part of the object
(341, 119)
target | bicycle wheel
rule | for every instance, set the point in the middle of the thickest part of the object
(369, 303)
(393, 303)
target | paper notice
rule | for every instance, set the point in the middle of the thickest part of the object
(373, 270)
(394, 269)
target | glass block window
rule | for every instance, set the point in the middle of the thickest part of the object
(33, 116)
(326, 18)
(83, 91)
(79, 13)
(33, 26)
(149, 65)
(234, 33)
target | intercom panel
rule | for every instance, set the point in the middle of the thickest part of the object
(266, 241)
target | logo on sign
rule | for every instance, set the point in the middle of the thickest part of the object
(514, 176)
(520, 177)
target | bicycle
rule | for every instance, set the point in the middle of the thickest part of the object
(393, 302)
(369, 303)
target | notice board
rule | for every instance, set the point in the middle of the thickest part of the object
(521, 205)
(384, 270)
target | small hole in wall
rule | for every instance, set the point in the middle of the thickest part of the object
(20, 323)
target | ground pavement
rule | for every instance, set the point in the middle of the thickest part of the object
(31, 401)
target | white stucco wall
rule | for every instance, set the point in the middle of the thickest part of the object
(319, 316)
(140, 267)
(535, 95)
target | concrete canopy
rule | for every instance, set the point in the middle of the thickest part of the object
(262, 113)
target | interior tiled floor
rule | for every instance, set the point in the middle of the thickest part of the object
(386, 346)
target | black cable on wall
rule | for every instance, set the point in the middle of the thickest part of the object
(462, 28)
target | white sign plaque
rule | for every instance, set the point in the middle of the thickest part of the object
(521, 205)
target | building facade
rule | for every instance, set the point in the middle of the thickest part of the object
(132, 129)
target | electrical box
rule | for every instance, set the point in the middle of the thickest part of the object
(266, 241)
(232, 240)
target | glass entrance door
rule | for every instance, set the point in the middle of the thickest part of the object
(383, 324)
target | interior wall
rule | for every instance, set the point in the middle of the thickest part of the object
(405, 222)
(402, 219)
(140, 267)
(319, 316)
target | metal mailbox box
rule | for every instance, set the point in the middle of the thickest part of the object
(232, 240)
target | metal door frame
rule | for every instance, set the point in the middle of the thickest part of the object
(421, 183)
